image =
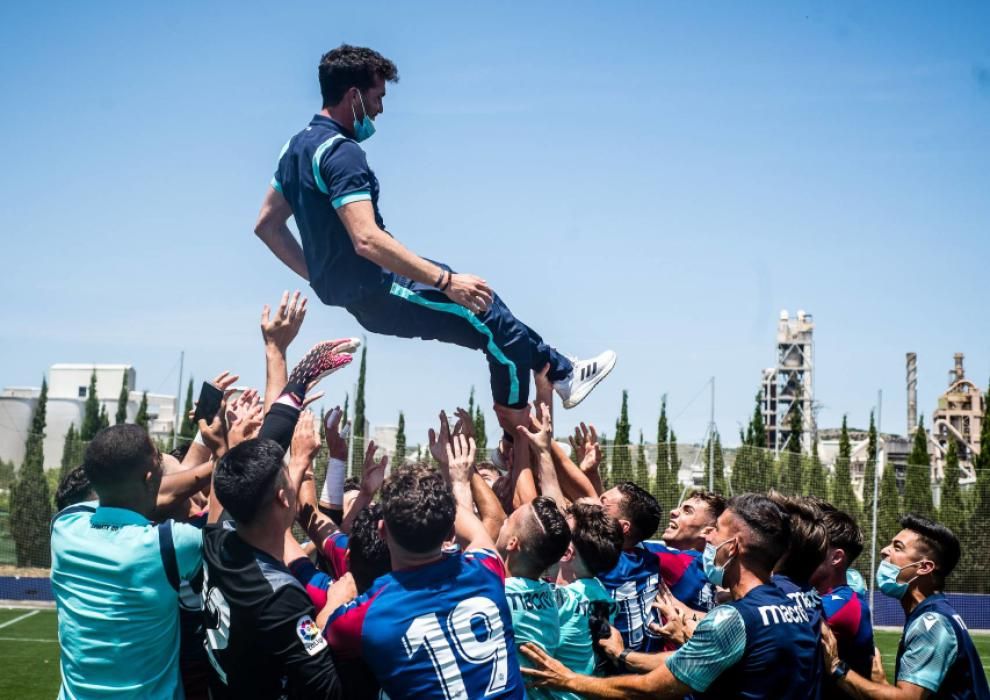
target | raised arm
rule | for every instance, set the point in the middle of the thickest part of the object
(374, 244)
(470, 532)
(278, 332)
(540, 437)
(589, 454)
(372, 477)
(272, 228)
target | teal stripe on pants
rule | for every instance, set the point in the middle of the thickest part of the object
(458, 310)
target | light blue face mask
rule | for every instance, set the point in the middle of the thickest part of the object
(714, 573)
(887, 582)
(365, 128)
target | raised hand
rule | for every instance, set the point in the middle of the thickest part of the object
(469, 291)
(540, 432)
(214, 433)
(440, 441)
(465, 423)
(281, 329)
(336, 444)
(373, 474)
(461, 452)
(543, 386)
(586, 447)
(305, 443)
(246, 421)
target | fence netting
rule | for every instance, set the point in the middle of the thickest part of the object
(959, 497)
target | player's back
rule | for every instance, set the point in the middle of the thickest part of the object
(633, 584)
(438, 631)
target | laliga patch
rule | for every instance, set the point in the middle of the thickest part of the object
(930, 621)
(309, 635)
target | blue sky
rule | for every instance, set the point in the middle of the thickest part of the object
(659, 178)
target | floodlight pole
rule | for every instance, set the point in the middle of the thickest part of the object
(876, 501)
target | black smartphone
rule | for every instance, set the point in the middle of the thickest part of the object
(210, 397)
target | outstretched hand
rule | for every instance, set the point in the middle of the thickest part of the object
(586, 447)
(280, 330)
(540, 433)
(336, 445)
(305, 439)
(471, 292)
(440, 440)
(373, 475)
(460, 457)
(546, 670)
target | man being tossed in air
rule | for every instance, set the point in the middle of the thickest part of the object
(350, 260)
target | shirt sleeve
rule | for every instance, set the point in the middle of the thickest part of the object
(188, 542)
(346, 174)
(718, 643)
(276, 183)
(346, 625)
(293, 640)
(335, 552)
(842, 613)
(313, 580)
(489, 560)
(930, 649)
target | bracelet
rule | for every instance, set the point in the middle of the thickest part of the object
(447, 283)
(440, 278)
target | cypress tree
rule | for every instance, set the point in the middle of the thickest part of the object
(719, 464)
(869, 472)
(400, 440)
(187, 428)
(30, 502)
(675, 466)
(951, 510)
(357, 433)
(104, 418)
(975, 530)
(642, 469)
(918, 482)
(91, 412)
(605, 468)
(121, 416)
(72, 452)
(7, 474)
(843, 496)
(621, 459)
(815, 485)
(888, 507)
(142, 417)
(343, 415)
(790, 478)
(480, 436)
(666, 490)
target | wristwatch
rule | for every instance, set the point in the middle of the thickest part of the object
(840, 671)
(622, 656)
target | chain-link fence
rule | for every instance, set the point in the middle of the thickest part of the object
(955, 495)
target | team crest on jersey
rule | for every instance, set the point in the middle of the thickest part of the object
(309, 635)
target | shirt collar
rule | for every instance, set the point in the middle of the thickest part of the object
(106, 516)
(325, 121)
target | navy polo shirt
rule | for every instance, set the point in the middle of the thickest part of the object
(320, 170)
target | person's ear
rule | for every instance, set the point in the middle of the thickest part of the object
(382, 530)
(283, 498)
(926, 567)
(838, 557)
(707, 530)
(568, 553)
(626, 526)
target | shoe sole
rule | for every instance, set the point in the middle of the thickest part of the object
(583, 394)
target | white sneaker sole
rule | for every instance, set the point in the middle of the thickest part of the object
(583, 392)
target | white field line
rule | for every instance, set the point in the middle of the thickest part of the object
(25, 616)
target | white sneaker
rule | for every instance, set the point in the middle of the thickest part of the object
(586, 374)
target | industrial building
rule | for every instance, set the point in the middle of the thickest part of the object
(789, 385)
(68, 388)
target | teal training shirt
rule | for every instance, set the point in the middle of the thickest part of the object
(576, 650)
(533, 605)
(118, 615)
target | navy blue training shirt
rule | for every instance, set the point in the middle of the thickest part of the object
(320, 170)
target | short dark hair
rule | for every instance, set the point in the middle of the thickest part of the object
(714, 501)
(843, 533)
(808, 542)
(597, 538)
(73, 488)
(941, 543)
(640, 508)
(180, 451)
(418, 507)
(768, 524)
(247, 477)
(352, 66)
(544, 546)
(118, 453)
(351, 483)
(369, 553)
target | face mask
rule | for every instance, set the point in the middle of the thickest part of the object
(712, 572)
(887, 579)
(365, 128)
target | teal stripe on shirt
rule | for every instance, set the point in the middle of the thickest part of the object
(458, 310)
(361, 196)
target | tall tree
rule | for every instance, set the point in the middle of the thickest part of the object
(142, 417)
(746, 470)
(187, 428)
(975, 531)
(666, 480)
(621, 459)
(888, 506)
(91, 412)
(480, 436)
(72, 451)
(642, 468)
(815, 483)
(30, 502)
(104, 417)
(357, 433)
(675, 465)
(400, 440)
(952, 512)
(843, 495)
(918, 481)
(718, 463)
(790, 478)
(869, 472)
(121, 416)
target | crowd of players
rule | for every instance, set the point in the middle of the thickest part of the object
(466, 577)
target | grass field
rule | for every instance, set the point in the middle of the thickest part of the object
(29, 653)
